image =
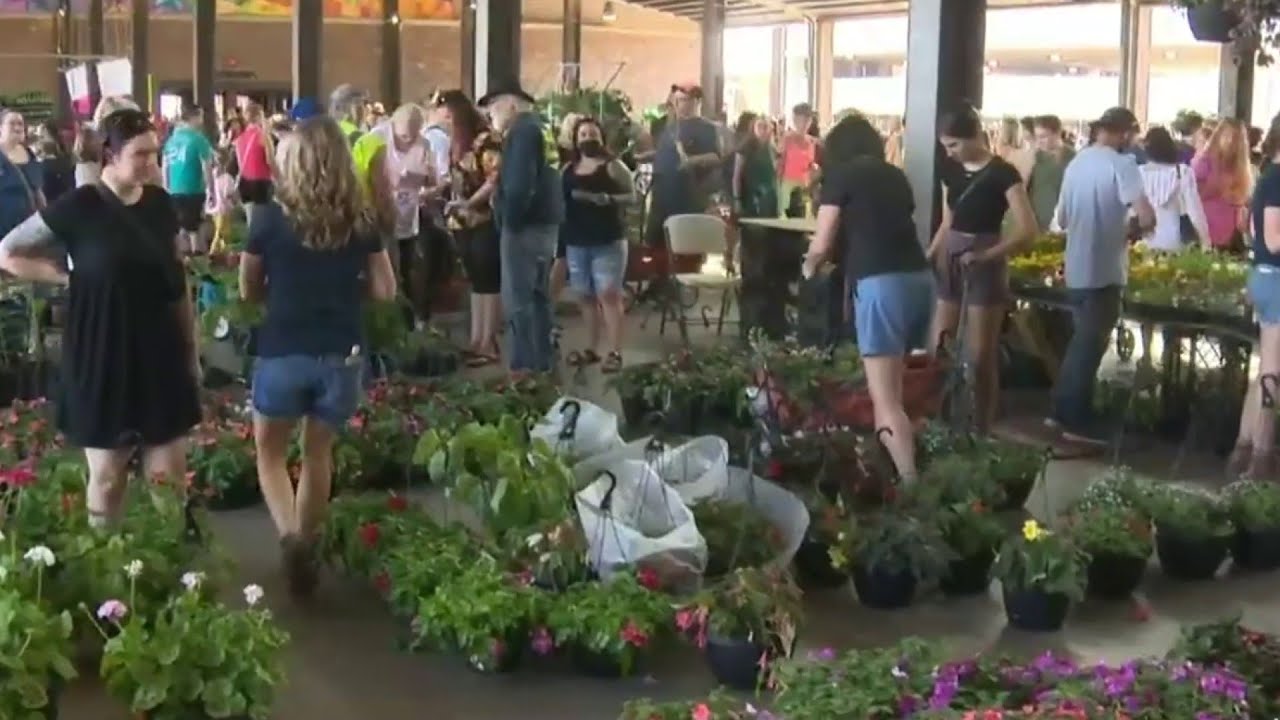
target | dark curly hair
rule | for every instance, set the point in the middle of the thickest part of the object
(851, 138)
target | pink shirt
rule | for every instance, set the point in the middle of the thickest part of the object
(251, 153)
(798, 154)
(1221, 212)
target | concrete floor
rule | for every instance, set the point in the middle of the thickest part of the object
(344, 663)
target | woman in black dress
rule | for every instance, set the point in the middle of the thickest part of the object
(129, 358)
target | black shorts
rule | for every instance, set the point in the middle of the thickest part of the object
(254, 191)
(190, 209)
(481, 258)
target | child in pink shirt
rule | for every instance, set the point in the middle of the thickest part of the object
(222, 201)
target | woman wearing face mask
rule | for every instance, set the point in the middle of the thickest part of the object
(597, 187)
(129, 357)
(970, 251)
(755, 188)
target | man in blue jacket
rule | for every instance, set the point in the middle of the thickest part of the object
(528, 208)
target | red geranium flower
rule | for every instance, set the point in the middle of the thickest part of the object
(773, 470)
(633, 635)
(382, 583)
(369, 534)
(648, 579)
(17, 477)
(397, 503)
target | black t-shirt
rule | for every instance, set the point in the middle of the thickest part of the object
(877, 230)
(314, 297)
(1265, 195)
(980, 209)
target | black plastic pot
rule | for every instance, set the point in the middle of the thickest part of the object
(683, 416)
(1190, 558)
(814, 570)
(593, 664)
(636, 410)
(1256, 549)
(1016, 492)
(504, 659)
(884, 590)
(735, 663)
(1211, 21)
(968, 575)
(1036, 610)
(1114, 577)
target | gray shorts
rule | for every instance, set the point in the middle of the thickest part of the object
(987, 282)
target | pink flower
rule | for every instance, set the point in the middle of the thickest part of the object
(17, 477)
(701, 712)
(113, 610)
(542, 642)
(633, 635)
(686, 619)
(648, 579)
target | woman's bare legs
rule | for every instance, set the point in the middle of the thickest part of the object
(983, 340)
(611, 309)
(559, 277)
(477, 323)
(1262, 464)
(311, 505)
(946, 318)
(884, 380)
(108, 481)
(591, 318)
(1240, 456)
(272, 439)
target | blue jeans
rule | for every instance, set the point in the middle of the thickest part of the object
(596, 269)
(1264, 293)
(293, 386)
(1094, 313)
(526, 255)
(891, 312)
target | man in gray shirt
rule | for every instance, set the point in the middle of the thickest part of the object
(1099, 188)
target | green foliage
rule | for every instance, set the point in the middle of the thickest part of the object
(1042, 560)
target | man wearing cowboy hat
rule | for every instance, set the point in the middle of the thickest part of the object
(528, 207)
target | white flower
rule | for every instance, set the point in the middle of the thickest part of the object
(252, 594)
(113, 610)
(192, 580)
(39, 555)
(1, 536)
(133, 569)
(534, 540)
(4, 573)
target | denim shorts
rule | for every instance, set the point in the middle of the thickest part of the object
(1264, 293)
(596, 269)
(294, 386)
(892, 312)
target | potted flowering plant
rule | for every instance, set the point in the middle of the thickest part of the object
(608, 626)
(484, 614)
(737, 535)
(719, 705)
(1015, 467)
(1117, 539)
(222, 465)
(1040, 573)
(35, 641)
(888, 555)
(1193, 531)
(556, 556)
(743, 623)
(196, 659)
(1255, 513)
(362, 527)
(962, 493)
(814, 568)
(421, 560)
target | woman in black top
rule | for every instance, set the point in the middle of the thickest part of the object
(597, 189)
(970, 251)
(129, 359)
(865, 221)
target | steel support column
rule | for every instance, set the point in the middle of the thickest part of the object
(946, 40)
(778, 71)
(97, 48)
(712, 80)
(497, 43)
(308, 36)
(1235, 84)
(62, 47)
(391, 60)
(140, 53)
(1135, 57)
(571, 47)
(467, 43)
(204, 33)
(822, 69)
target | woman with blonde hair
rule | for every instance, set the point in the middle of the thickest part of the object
(313, 255)
(1224, 178)
(254, 153)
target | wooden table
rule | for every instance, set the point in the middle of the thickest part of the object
(770, 254)
(807, 226)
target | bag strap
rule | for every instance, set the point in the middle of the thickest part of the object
(973, 181)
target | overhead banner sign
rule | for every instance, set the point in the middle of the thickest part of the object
(115, 77)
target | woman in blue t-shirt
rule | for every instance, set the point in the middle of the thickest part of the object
(313, 255)
(1254, 455)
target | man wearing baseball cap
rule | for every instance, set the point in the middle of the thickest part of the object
(1099, 189)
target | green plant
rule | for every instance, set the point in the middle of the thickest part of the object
(555, 556)
(719, 705)
(893, 542)
(35, 642)
(970, 529)
(1119, 486)
(222, 458)
(858, 684)
(1015, 464)
(1189, 511)
(421, 559)
(959, 477)
(750, 604)
(1038, 559)
(1254, 505)
(512, 483)
(1110, 529)
(361, 527)
(618, 619)
(484, 613)
(737, 535)
(196, 658)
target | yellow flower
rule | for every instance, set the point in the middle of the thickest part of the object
(1032, 531)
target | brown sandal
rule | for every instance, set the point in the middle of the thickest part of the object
(612, 363)
(482, 359)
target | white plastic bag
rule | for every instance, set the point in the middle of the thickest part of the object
(779, 506)
(578, 429)
(696, 469)
(631, 517)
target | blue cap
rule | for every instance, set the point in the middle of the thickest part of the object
(303, 109)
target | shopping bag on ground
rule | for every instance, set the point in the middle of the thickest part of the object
(779, 506)
(578, 429)
(630, 517)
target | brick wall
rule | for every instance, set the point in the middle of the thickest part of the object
(653, 50)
